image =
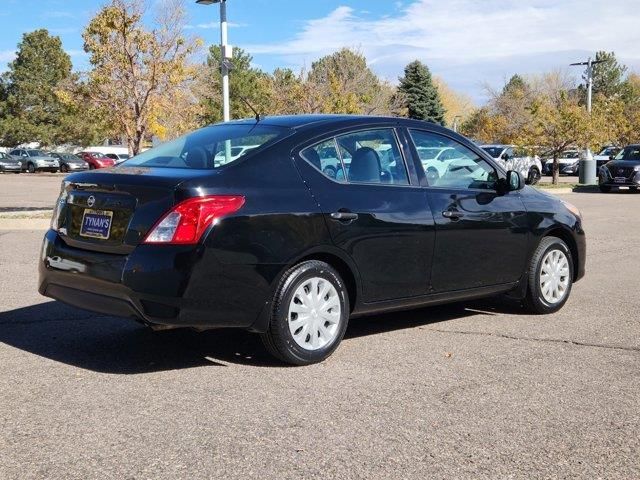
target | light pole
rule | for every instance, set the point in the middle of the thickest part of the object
(588, 172)
(455, 122)
(226, 54)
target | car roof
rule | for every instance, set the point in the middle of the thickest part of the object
(305, 120)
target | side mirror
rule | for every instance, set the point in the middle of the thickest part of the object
(504, 156)
(514, 181)
(611, 157)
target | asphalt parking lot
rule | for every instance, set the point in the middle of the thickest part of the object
(471, 390)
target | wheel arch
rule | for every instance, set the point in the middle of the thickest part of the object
(566, 236)
(330, 255)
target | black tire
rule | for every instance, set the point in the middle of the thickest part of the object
(533, 177)
(64, 168)
(534, 300)
(604, 188)
(330, 172)
(278, 339)
(31, 168)
(91, 167)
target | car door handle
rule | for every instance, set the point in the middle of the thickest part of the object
(344, 216)
(452, 214)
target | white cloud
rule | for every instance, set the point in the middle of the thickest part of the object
(7, 55)
(467, 41)
(57, 14)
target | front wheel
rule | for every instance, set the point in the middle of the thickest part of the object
(550, 276)
(533, 177)
(31, 168)
(310, 314)
(64, 168)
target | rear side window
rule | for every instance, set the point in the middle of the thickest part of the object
(324, 157)
(454, 166)
(210, 147)
(367, 156)
(373, 156)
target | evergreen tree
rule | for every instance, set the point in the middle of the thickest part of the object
(32, 111)
(245, 82)
(422, 98)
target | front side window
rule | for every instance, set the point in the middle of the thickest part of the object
(456, 166)
(372, 156)
(209, 147)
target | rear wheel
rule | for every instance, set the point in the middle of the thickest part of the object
(91, 167)
(310, 314)
(550, 276)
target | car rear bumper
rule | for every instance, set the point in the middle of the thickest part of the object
(180, 286)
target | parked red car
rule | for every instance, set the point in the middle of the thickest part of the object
(96, 160)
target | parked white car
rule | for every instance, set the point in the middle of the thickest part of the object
(510, 158)
(236, 151)
(568, 163)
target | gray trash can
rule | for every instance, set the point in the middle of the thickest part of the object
(588, 174)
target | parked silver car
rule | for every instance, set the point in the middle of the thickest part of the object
(34, 160)
(69, 162)
(511, 158)
(8, 164)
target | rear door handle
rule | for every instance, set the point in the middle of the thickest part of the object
(452, 214)
(344, 216)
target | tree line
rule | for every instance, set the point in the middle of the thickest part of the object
(144, 82)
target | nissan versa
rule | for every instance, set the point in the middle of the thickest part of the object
(189, 235)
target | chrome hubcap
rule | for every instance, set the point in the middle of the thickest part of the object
(554, 276)
(314, 314)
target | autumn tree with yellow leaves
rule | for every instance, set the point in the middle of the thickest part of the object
(137, 73)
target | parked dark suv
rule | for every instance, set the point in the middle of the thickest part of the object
(622, 171)
(269, 242)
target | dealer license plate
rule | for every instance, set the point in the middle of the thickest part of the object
(96, 223)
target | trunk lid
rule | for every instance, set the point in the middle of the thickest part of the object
(111, 210)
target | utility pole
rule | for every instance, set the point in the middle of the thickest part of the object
(588, 172)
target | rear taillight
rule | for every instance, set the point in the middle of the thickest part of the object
(185, 223)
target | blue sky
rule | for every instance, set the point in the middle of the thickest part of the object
(469, 43)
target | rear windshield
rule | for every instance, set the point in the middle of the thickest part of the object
(210, 147)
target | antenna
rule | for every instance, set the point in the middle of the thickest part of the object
(257, 115)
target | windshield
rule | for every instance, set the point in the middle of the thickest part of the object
(208, 148)
(571, 155)
(629, 153)
(68, 156)
(36, 153)
(494, 152)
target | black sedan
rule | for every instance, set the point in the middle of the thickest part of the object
(622, 171)
(70, 162)
(187, 235)
(8, 164)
